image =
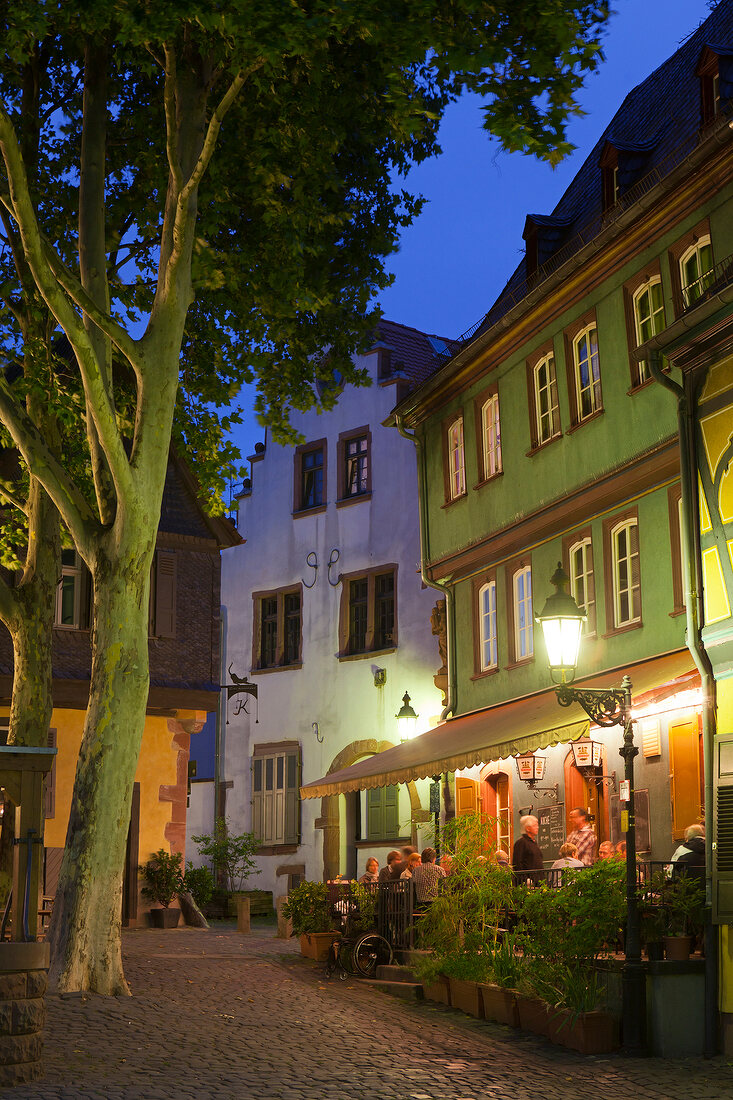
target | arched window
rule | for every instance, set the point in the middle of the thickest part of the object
(456, 459)
(487, 620)
(648, 319)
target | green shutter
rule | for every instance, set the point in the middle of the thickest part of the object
(165, 594)
(723, 829)
(392, 812)
(376, 817)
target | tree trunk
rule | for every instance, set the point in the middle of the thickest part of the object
(85, 930)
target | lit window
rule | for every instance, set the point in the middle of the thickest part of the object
(73, 594)
(582, 584)
(456, 460)
(546, 405)
(491, 436)
(587, 373)
(626, 582)
(696, 271)
(356, 474)
(523, 619)
(487, 618)
(648, 319)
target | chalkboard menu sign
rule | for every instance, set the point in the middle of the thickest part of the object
(552, 831)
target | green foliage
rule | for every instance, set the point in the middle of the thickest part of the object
(200, 883)
(307, 906)
(162, 877)
(683, 900)
(231, 856)
(366, 908)
(467, 965)
(507, 966)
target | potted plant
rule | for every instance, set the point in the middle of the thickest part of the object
(578, 1021)
(162, 881)
(308, 908)
(683, 901)
(466, 971)
(500, 995)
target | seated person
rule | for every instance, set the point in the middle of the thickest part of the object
(371, 872)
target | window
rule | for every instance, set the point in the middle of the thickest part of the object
(277, 628)
(696, 267)
(456, 460)
(623, 585)
(354, 474)
(708, 70)
(275, 798)
(610, 190)
(491, 437)
(368, 619)
(69, 592)
(586, 373)
(648, 307)
(487, 626)
(578, 552)
(544, 407)
(522, 606)
(310, 476)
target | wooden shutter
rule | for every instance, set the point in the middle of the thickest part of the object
(165, 594)
(723, 829)
(467, 796)
(49, 782)
(292, 798)
(391, 812)
(376, 816)
(684, 779)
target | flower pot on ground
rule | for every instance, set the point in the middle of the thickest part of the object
(162, 881)
(319, 943)
(500, 1005)
(592, 1032)
(165, 918)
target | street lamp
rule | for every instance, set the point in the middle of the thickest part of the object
(561, 620)
(406, 719)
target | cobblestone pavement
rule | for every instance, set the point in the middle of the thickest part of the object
(220, 1016)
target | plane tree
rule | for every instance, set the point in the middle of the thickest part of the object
(211, 203)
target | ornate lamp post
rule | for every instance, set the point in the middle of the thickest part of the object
(561, 620)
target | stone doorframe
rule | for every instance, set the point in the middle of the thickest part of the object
(329, 819)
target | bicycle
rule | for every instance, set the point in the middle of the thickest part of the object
(356, 952)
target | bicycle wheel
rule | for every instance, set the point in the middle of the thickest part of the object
(371, 951)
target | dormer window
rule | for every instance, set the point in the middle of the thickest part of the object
(544, 236)
(708, 71)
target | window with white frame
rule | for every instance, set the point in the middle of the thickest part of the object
(587, 373)
(275, 793)
(487, 621)
(696, 267)
(456, 460)
(72, 593)
(626, 574)
(546, 404)
(648, 306)
(582, 582)
(491, 436)
(523, 620)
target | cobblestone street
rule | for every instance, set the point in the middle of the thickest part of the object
(215, 1014)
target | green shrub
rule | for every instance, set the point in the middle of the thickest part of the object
(200, 883)
(162, 877)
(307, 907)
(231, 856)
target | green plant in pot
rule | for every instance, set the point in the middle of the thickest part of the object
(683, 902)
(307, 907)
(162, 882)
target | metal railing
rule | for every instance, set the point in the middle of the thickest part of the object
(708, 284)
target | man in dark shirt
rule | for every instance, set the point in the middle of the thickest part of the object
(387, 873)
(526, 854)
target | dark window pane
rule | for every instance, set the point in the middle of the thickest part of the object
(268, 773)
(358, 593)
(291, 651)
(257, 779)
(268, 632)
(312, 479)
(280, 773)
(384, 610)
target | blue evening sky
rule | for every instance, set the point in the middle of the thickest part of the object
(455, 259)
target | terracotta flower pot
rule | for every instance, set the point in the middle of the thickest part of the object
(533, 1014)
(500, 1004)
(466, 996)
(678, 947)
(587, 1032)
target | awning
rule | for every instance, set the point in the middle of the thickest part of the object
(496, 732)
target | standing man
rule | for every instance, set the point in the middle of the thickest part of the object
(427, 877)
(526, 853)
(583, 836)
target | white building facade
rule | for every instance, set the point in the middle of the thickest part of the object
(326, 611)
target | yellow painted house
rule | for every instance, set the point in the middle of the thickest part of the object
(184, 687)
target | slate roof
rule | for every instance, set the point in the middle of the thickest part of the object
(660, 119)
(413, 349)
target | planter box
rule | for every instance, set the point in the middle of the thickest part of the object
(438, 991)
(466, 996)
(165, 918)
(318, 944)
(587, 1032)
(500, 1005)
(305, 947)
(533, 1014)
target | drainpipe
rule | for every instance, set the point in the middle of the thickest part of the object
(221, 715)
(444, 589)
(692, 572)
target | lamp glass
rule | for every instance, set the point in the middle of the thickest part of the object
(562, 640)
(406, 719)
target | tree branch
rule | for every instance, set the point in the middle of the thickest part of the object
(171, 130)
